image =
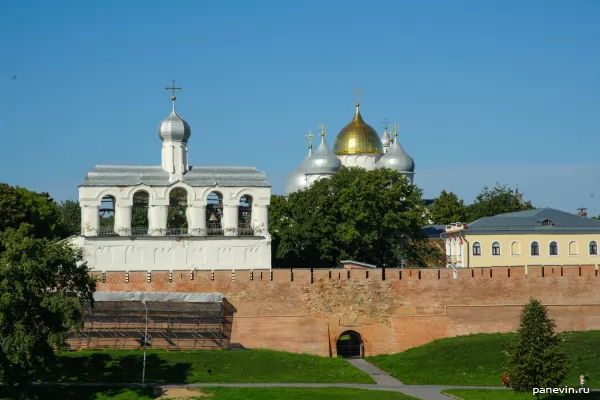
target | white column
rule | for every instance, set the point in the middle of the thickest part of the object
(260, 219)
(196, 219)
(123, 220)
(157, 220)
(230, 220)
(90, 220)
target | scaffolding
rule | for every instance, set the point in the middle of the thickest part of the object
(172, 325)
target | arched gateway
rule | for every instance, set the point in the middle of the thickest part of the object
(349, 345)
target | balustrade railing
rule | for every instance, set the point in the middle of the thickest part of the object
(214, 229)
(177, 232)
(245, 229)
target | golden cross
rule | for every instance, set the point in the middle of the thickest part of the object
(396, 127)
(309, 136)
(322, 126)
(385, 122)
(173, 89)
(357, 93)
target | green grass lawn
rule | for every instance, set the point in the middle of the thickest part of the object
(248, 366)
(480, 360)
(301, 394)
(481, 394)
(48, 393)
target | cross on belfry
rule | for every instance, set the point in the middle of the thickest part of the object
(322, 127)
(173, 89)
(357, 92)
(385, 123)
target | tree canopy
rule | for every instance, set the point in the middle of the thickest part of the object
(535, 356)
(448, 208)
(42, 287)
(372, 216)
(19, 205)
(499, 200)
(69, 219)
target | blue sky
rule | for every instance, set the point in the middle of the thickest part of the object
(484, 91)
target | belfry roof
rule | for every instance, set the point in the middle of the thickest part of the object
(122, 175)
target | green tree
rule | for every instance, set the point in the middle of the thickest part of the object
(371, 216)
(499, 200)
(448, 208)
(42, 287)
(19, 205)
(69, 219)
(535, 356)
(596, 218)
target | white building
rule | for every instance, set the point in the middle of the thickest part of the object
(356, 145)
(204, 218)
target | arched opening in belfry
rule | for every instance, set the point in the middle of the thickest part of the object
(214, 214)
(139, 213)
(107, 216)
(245, 216)
(349, 345)
(176, 216)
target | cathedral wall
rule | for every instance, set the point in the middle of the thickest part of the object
(366, 161)
(306, 310)
(163, 254)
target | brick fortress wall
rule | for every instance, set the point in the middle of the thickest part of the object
(306, 311)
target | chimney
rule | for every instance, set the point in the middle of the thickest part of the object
(582, 212)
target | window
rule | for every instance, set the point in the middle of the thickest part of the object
(535, 249)
(496, 249)
(547, 222)
(476, 249)
(515, 248)
(553, 248)
(593, 248)
(573, 248)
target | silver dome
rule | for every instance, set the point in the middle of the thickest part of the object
(323, 160)
(174, 128)
(397, 159)
(296, 181)
(385, 139)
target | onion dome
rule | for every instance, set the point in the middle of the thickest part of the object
(396, 158)
(323, 161)
(296, 181)
(174, 128)
(357, 137)
(385, 138)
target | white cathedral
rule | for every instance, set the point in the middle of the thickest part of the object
(357, 145)
(224, 212)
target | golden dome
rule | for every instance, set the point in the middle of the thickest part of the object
(357, 137)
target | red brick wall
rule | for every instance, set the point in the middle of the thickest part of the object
(294, 311)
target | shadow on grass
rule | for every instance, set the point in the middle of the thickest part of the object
(107, 367)
(91, 393)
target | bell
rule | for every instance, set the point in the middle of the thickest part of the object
(213, 218)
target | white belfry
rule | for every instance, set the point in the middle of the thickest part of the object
(195, 217)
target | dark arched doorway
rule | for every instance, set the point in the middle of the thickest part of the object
(349, 345)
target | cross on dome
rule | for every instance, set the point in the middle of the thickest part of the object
(309, 136)
(322, 127)
(173, 89)
(357, 92)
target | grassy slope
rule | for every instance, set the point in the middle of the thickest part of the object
(480, 360)
(301, 394)
(251, 366)
(481, 394)
(224, 394)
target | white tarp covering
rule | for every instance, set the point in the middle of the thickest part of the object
(159, 296)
